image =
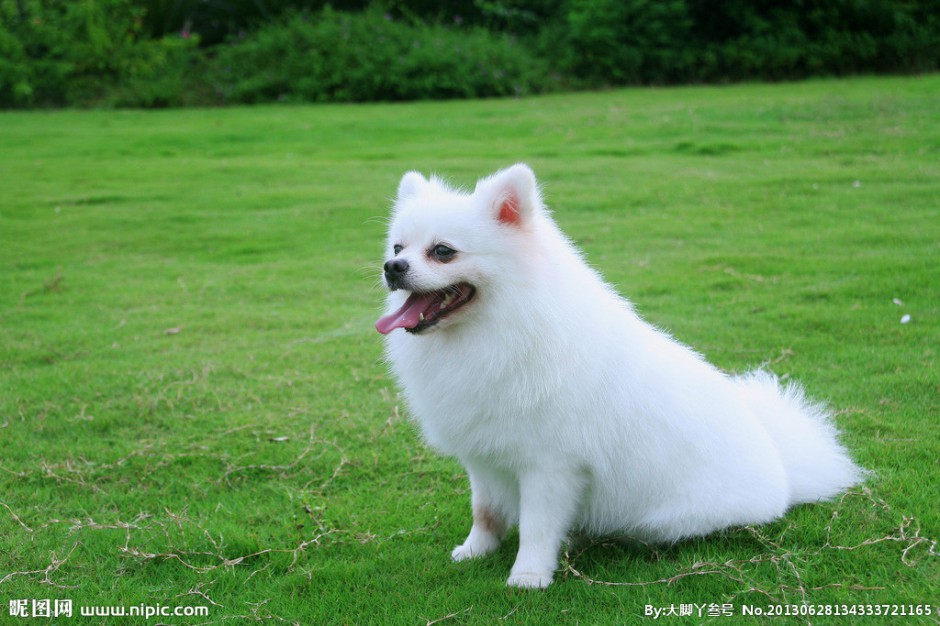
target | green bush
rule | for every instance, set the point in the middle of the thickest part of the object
(617, 42)
(334, 56)
(140, 52)
(628, 41)
(176, 76)
(62, 52)
(766, 39)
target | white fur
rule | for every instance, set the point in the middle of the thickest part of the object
(568, 411)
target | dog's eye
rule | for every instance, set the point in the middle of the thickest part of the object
(397, 248)
(442, 252)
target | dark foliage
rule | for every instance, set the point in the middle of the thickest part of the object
(181, 52)
(57, 52)
(333, 56)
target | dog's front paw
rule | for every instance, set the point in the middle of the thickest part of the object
(529, 580)
(462, 553)
(470, 551)
(477, 544)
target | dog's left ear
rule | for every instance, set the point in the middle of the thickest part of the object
(512, 194)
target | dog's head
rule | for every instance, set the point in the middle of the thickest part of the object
(445, 247)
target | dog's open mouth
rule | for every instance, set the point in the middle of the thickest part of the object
(423, 310)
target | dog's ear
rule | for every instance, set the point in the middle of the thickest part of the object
(512, 194)
(411, 183)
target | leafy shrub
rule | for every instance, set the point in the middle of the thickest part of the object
(58, 52)
(140, 53)
(796, 38)
(648, 41)
(175, 76)
(628, 41)
(334, 56)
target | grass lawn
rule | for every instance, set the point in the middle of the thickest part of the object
(194, 411)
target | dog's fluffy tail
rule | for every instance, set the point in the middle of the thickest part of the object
(817, 466)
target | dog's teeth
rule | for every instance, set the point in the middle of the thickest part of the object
(421, 317)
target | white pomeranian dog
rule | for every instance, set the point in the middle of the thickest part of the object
(569, 412)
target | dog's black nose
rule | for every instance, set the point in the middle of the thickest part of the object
(394, 271)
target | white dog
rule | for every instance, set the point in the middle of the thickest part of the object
(568, 411)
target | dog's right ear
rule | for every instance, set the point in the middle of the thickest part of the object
(411, 183)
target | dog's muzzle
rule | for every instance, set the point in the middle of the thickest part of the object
(395, 271)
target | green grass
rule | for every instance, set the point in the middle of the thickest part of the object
(193, 403)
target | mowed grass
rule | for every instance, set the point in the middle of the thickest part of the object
(194, 410)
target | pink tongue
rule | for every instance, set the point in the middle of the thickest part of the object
(408, 316)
